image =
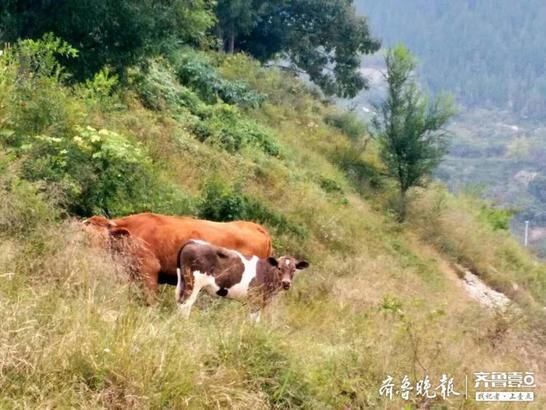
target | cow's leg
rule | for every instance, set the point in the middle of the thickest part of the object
(256, 303)
(180, 286)
(255, 316)
(149, 269)
(200, 281)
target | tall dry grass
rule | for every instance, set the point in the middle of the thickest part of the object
(76, 333)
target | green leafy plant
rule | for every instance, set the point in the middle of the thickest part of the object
(496, 218)
(159, 89)
(31, 99)
(101, 89)
(226, 127)
(95, 171)
(348, 122)
(222, 202)
(195, 71)
(40, 57)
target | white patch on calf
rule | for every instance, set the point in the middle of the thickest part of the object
(255, 317)
(200, 281)
(178, 291)
(240, 290)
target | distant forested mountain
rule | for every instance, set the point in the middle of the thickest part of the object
(488, 52)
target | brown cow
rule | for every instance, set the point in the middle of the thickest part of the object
(161, 236)
(225, 272)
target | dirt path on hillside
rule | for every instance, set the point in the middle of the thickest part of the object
(427, 252)
(471, 286)
(529, 346)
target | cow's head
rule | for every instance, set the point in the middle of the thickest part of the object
(102, 230)
(287, 267)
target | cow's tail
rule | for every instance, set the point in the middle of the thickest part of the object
(180, 284)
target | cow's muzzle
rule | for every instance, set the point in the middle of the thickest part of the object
(286, 284)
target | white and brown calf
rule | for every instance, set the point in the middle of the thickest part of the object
(227, 273)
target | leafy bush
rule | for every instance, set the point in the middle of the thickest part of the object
(220, 124)
(159, 89)
(221, 202)
(100, 171)
(100, 90)
(227, 128)
(31, 96)
(330, 186)
(22, 207)
(194, 70)
(96, 171)
(348, 122)
(498, 219)
(40, 57)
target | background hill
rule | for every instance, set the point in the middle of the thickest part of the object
(489, 53)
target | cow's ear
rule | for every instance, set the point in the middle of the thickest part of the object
(302, 265)
(119, 232)
(272, 261)
(99, 220)
(222, 254)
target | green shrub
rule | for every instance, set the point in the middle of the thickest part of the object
(330, 186)
(32, 99)
(96, 170)
(220, 124)
(22, 207)
(226, 127)
(496, 218)
(348, 122)
(159, 89)
(100, 90)
(40, 57)
(194, 70)
(221, 202)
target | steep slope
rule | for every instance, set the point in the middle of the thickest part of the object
(374, 303)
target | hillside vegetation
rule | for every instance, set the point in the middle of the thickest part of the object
(222, 137)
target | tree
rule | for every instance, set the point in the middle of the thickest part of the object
(409, 126)
(115, 33)
(323, 38)
(235, 18)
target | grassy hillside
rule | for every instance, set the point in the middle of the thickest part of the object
(224, 138)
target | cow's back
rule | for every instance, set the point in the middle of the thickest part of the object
(165, 235)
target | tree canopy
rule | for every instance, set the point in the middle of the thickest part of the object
(323, 38)
(107, 32)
